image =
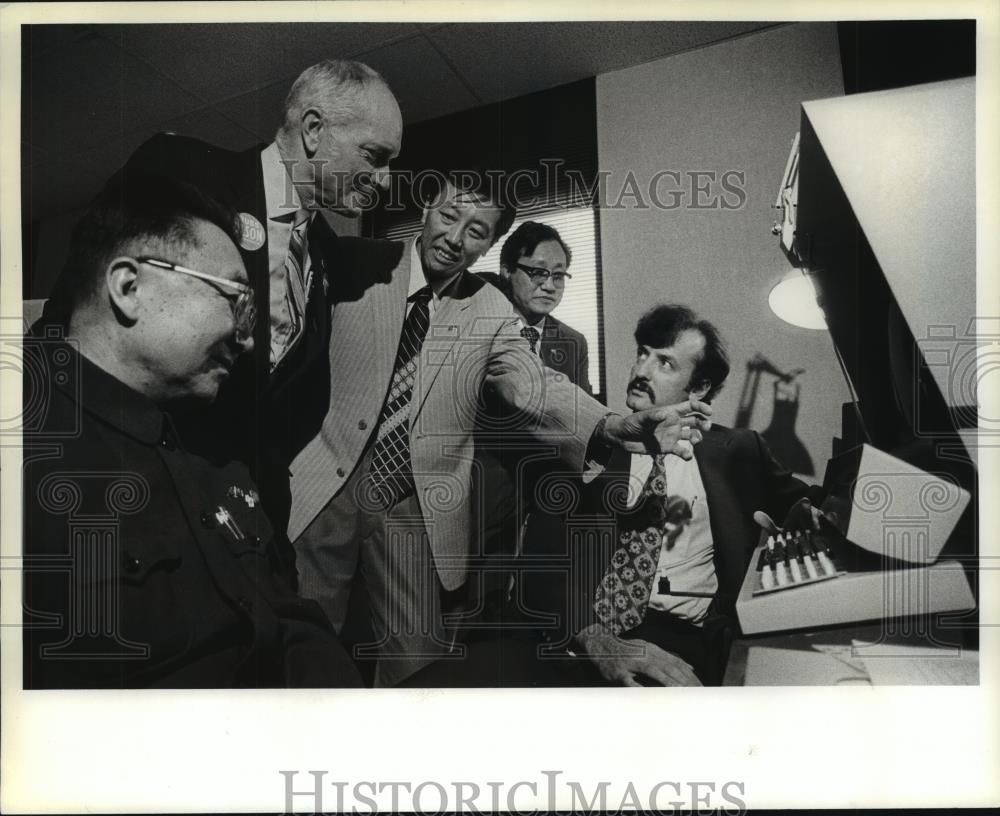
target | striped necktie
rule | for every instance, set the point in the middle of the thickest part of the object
(295, 266)
(296, 287)
(391, 471)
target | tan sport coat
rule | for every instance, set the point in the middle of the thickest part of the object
(473, 349)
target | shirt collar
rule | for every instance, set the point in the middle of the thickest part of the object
(110, 400)
(277, 186)
(539, 326)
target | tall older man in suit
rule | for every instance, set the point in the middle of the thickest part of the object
(341, 128)
(415, 343)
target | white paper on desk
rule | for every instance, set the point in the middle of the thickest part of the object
(767, 666)
(896, 665)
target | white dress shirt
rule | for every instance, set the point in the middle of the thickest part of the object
(686, 558)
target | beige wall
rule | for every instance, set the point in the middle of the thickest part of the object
(733, 106)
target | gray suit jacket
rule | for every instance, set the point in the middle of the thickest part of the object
(564, 349)
(472, 347)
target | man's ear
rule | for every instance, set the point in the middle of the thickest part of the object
(121, 280)
(312, 131)
(698, 392)
(504, 272)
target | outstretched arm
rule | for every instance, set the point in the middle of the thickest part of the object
(550, 408)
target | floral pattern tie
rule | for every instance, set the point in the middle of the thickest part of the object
(623, 593)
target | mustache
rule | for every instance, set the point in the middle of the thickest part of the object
(641, 384)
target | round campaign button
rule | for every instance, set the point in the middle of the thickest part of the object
(252, 235)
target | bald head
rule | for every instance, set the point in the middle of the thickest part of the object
(342, 127)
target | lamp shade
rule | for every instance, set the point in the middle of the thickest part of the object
(793, 299)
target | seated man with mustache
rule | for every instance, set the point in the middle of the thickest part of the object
(663, 611)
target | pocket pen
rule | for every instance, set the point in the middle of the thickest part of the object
(223, 517)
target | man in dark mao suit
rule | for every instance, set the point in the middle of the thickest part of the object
(148, 559)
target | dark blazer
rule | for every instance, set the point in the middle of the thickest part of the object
(131, 577)
(740, 477)
(273, 407)
(564, 349)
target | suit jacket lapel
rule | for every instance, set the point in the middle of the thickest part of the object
(545, 350)
(441, 343)
(248, 184)
(386, 314)
(556, 350)
(723, 506)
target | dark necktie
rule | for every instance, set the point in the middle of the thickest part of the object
(530, 333)
(623, 594)
(391, 471)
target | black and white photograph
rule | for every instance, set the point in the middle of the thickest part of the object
(404, 402)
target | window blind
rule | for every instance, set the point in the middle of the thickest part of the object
(548, 140)
(580, 306)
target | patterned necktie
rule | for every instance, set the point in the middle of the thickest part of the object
(530, 333)
(296, 287)
(623, 594)
(391, 471)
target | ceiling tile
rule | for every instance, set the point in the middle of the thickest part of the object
(221, 61)
(30, 154)
(534, 56)
(71, 180)
(213, 127)
(423, 82)
(258, 112)
(91, 91)
(38, 38)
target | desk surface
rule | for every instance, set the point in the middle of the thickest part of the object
(894, 652)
